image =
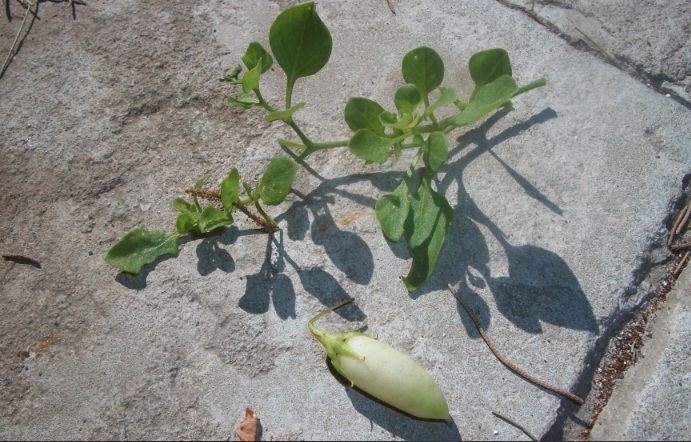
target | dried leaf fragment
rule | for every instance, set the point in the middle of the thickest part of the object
(249, 427)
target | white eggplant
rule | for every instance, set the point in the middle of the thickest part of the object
(382, 371)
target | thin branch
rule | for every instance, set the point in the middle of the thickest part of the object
(527, 433)
(30, 11)
(508, 364)
(681, 264)
(683, 214)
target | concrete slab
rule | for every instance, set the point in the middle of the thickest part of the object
(653, 401)
(559, 210)
(652, 40)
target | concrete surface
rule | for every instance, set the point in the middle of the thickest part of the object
(649, 39)
(560, 208)
(653, 401)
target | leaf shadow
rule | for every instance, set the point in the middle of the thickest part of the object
(539, 286)
(211, 256)
(269, 284)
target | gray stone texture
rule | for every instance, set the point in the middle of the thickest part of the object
(559, 206)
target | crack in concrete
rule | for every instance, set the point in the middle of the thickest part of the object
(585, 44)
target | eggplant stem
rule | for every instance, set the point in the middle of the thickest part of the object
(311, 326)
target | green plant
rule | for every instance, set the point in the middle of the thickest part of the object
(382, 371)
(301, 45)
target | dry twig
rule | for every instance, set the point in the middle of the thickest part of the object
(527, 433)
(508, 364)
(681, 264)
(679, 224)
(21, 34)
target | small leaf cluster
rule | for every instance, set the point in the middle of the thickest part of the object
(141, 247)
(414, 210)
(301, 45)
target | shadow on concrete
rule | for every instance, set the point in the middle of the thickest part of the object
(211, 256)
(271, 284)
(540, 286)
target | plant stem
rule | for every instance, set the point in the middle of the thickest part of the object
(306, 141)
(264, 215)
(263, 102)
(535, 84)
(412, 167)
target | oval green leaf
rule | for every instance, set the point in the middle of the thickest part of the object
(387, 118)
(186, 222)
(141, 247)
(182, 206)
(369, 146)
(211, 218)
(276, 181)
(436, 152)
(250, 80)
(425, 230)
(300, 42)
(363, 113)
(407, 99)
(244, 100)
(392, 211)
(447, 96)
(230, 189)
(487, 66)
(257, 55)
(424, 68)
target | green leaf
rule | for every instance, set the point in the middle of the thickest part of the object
(300, 42)
(250, 80)
(387, 118)
(447, 96)
(487, 66)
(424, 68)
(244, 100)
(406, 122)
(369, 146)
(230, 188)
(436, 151)
(257, 55)
(425, 230)
(363, 113)
(182, 206)
(140, 247)
(186, 222)
(407, 99)
(276, 181)
(281, 115)
(488, 98)
(231, 75)
(202, 181)
(211, 218)
(392, 211)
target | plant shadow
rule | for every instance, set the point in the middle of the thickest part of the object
(271, 284)
(539, 286)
